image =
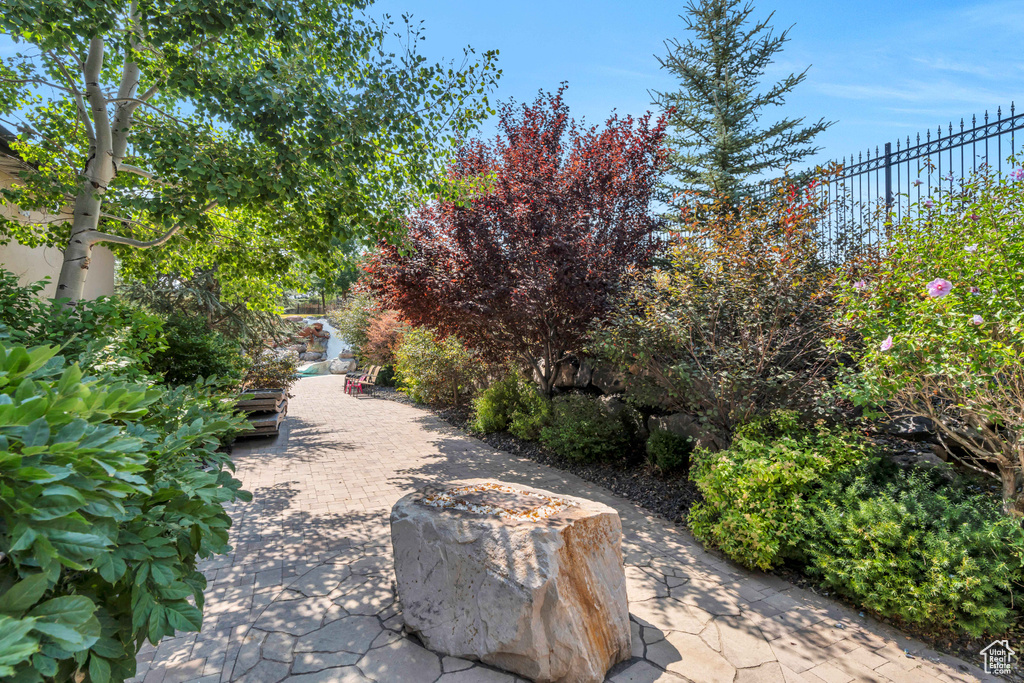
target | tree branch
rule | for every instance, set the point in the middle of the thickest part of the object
(138, 244)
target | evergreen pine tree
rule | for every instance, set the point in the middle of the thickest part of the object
(717, 139)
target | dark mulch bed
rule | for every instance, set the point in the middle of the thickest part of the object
(670, 497)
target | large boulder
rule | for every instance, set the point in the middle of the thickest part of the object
(515, 577)
(608, 380)
(565, 378)
(341, 367)
(687, 426)
(584, 375)
(312, 357)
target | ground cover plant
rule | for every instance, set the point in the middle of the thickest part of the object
(521, 267)
(942, 318)
(913, 546)
(110, 493)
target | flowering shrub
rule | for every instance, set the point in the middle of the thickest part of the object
(735, 324)
(942, 317)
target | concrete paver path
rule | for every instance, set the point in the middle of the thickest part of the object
(308, 593)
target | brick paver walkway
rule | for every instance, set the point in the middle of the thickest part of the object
(308, 593)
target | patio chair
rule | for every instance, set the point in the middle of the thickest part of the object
(352, 378)
(369, 382)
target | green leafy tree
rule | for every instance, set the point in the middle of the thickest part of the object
(717, 116)
(245, 130)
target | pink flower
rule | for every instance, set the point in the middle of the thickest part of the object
(887, 343)
(971, 248)
(977, 319)
(938, 288)
(917, 183)
(975, 291)
(859, 285)
(1018, 174)
(929, 204)
(975, 217)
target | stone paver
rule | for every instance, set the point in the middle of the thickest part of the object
(308, 594)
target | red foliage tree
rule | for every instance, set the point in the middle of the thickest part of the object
(524, 267)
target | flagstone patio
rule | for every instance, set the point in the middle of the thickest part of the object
(308, 593)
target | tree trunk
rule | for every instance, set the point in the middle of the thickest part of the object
(1010, 477)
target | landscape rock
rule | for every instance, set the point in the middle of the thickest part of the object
(608, 380)
(682, 424)
(566, 377)
(312, 357)
(584, 375)
(346, 355)
(911, 428)
(516, 577)
(340, 367)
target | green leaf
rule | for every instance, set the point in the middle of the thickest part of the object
(23, 594)
(16, 643)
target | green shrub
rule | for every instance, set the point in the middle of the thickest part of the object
(511, 404)
(267, 371)
(736, 322)
(759, 493)
(668, 451)
(436, 371)
(109, 492)
(193, 351)
(920, 549)
(583, 429)
(104, 335)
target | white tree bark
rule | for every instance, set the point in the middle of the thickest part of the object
(108, 135)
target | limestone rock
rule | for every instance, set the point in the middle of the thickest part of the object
(515, 577)
(312, 357)
(565, 378)
(346, 355)
(340, 367)
(608, 380)
(584, 375)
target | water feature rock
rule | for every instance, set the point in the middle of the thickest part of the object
(312, 357)
(515, 577)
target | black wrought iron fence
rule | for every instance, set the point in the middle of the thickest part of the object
(868, 192)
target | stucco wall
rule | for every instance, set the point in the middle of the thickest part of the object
(34, 264)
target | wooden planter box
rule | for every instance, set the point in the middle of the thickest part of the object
(267, 409)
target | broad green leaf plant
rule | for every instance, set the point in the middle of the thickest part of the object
(243, 132)
(942, 320)
(109, 493)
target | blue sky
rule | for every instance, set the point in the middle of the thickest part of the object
(881, 69)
